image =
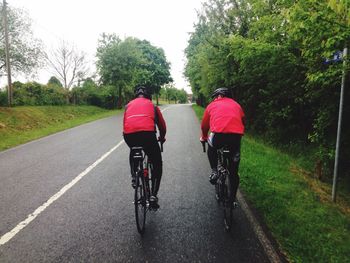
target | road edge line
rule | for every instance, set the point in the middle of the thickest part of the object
(264, 240)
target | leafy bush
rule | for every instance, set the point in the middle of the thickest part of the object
(3, 97)
(273, 58)
(91, 94)
(33, 93)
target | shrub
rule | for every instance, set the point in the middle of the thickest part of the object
(33, 93)
(3, 97)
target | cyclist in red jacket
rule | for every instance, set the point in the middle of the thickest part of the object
(141, 117)
(224, 117)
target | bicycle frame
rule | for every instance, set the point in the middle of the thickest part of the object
(223, 187)
(142, 170)
(143, 167)
(146, 168)
(224, 183)
(143, 173)
(142, 192)
(222, 166)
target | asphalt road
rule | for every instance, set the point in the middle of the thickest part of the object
(93, 220)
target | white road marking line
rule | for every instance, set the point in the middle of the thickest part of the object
(172, 106)
(5, 238)
(9, 235)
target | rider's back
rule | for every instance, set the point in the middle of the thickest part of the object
(225, 116)
(139, 116)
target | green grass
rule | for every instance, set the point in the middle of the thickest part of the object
(23, 124)
(198, 110)
(308, 227)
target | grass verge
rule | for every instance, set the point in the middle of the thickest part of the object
(307, 226)
(22, 124)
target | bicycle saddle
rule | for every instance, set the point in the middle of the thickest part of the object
(225, 150)
(136, 152)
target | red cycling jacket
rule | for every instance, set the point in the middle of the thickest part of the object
(141, 115)
(223, 115)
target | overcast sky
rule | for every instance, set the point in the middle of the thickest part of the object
(165, 23)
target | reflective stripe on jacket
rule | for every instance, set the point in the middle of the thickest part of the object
(141, 115)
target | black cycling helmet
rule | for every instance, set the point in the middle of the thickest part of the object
(221, 91)
(142, 90)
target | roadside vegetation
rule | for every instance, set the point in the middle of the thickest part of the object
(295, 206)
(169, 94)
(73, 95)
(43, 109)
(278, 59)
(121, 63)
(23, 124)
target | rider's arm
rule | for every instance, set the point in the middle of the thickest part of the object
(124, 117)
(161, 124)
(205, 124)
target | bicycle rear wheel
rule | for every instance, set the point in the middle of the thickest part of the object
(140, 202)
(228, 203)
(217, 192)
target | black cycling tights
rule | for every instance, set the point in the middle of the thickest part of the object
(233, 141)
(148, 140)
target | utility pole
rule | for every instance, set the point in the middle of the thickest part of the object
(335, 172)
(8, 68)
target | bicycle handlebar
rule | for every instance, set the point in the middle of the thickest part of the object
(161, 144)
(203, 145)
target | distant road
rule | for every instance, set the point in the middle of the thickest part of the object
(68, 198)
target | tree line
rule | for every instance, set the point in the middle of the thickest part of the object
(275, 55)
(88, 92)
(121, 64)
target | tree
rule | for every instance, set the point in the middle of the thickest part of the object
(55, 82)
(25, 50)
(342, 8)
(67, 63)
(273, 54)
(156, 69)
(129, 62)
(118, 63)
(170, 93)
(167, 92)
(182, 96)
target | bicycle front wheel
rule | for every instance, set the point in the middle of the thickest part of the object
(140, 204)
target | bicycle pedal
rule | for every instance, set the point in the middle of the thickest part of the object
(133, 184)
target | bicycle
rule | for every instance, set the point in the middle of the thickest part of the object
(142, 172)
(223, 187)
